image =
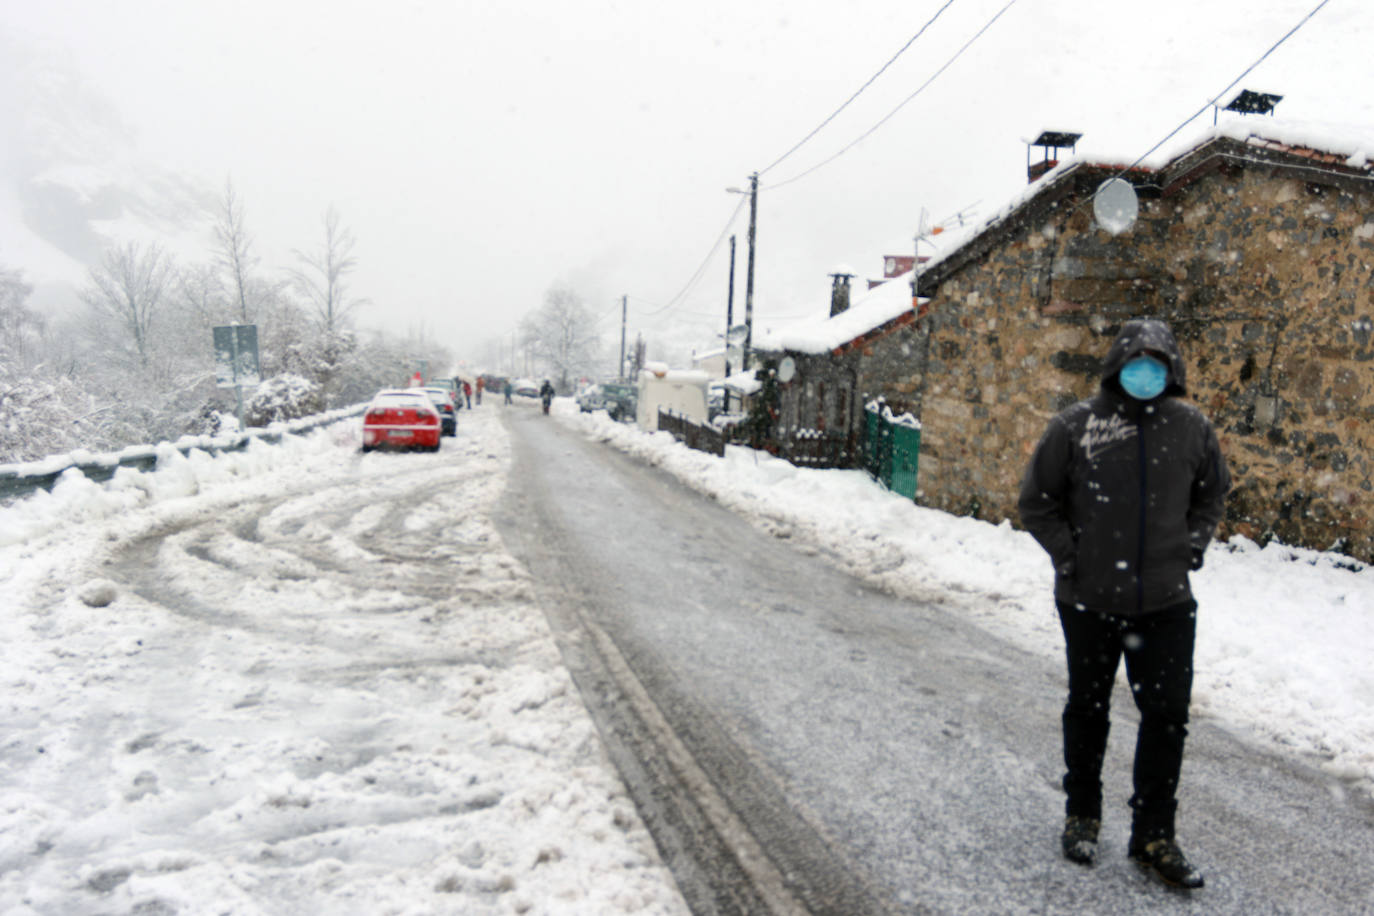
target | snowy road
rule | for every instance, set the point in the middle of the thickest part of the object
(886, 755)
(316, 683)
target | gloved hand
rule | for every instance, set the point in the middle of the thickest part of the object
(1196, 564)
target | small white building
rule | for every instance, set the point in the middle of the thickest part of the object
(683, 391)
(712, 362)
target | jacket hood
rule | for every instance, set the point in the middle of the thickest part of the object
(1137, 336)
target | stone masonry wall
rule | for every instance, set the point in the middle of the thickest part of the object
(1266, 281)
(887, 366)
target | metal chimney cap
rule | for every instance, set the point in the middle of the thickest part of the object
(1251, 102)
(1056, 138)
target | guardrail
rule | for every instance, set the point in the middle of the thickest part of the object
(18, 480)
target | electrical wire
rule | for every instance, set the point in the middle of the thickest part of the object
(1213, 101)
(857, 92)
(864, 136)
(696, 277)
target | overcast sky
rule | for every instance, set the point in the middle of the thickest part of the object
(483, 152)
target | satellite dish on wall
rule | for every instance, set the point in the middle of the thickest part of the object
(1115, 205)
(787, 369)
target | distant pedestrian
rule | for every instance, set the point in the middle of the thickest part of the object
(467, 393)
(1124, 492)
(507, 389)
(481, 383)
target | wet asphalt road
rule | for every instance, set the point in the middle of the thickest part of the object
(852, 752)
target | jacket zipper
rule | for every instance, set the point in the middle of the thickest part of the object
(1140, 535)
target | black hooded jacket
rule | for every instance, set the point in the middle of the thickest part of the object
(1122, 493)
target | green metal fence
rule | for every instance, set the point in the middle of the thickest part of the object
(891, 449)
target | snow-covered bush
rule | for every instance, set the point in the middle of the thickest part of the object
(36, 415)
(283, 397)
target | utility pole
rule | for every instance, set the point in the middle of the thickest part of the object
(749, 282)
(624, 308)
(730, 306)
(729, 318)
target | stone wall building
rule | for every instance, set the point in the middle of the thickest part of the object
(1255, 245)
(845, 360)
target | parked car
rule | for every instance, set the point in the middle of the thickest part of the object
(590, 398)
(447, 404)
(715, 400)
(616, 398)
(527, 390)
(621, 400)
(401, 418)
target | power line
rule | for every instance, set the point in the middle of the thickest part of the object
(1216, 98)
(1169, 136)
(889, 116)
(881, 70)
(696, 277)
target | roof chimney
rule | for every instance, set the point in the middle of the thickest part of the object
(1050, 140)
(1250, 102)
(839, 289)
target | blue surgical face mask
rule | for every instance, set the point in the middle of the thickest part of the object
(1144, 377)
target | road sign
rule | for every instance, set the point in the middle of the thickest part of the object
(236, 356)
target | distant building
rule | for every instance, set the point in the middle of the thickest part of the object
(712, 362)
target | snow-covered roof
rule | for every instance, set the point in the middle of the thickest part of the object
(1343, 145)
(741, 382)
(1351, 146)
(660, 372)
(825, 333)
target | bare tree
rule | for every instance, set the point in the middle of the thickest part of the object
(20, 326)
(235, 256)
(562, 335)
(201, 293)
(321, 279)
(129, 286)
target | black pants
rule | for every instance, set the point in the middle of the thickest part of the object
(1159, 666)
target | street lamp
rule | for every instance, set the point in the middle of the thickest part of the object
(753, 193)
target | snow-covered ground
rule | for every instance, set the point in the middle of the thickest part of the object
(316, 728)
(1284, 634)
(296, 762)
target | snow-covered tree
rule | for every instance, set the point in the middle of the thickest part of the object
(323, 274)
(235, 255)
(127, 289)
(562, 336)
(20, 327)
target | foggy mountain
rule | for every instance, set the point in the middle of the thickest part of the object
(72, 177)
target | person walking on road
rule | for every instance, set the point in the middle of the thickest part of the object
(1124, 492)
(481, 383)
(546, 394)
(507, 390)
(467, 393)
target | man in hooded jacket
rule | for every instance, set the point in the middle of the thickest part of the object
(1124, 491)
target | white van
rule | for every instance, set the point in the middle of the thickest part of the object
(682, 391)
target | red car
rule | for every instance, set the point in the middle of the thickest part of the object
(401, 418)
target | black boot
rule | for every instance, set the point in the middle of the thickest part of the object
(1080, 839)
(1165, 859)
